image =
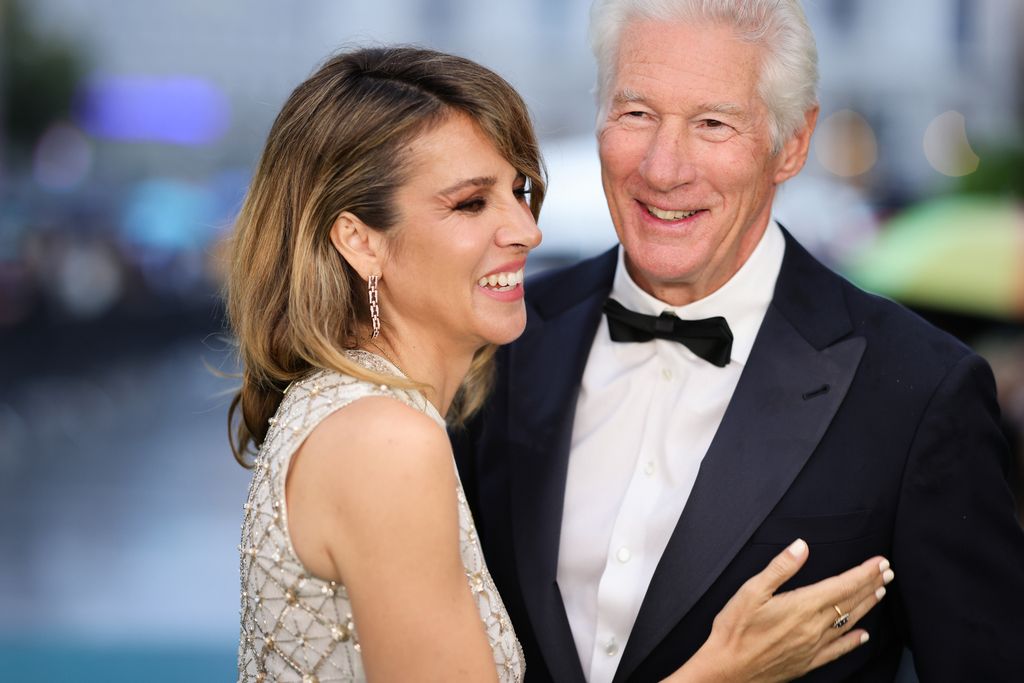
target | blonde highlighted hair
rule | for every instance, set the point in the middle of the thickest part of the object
(294, 304)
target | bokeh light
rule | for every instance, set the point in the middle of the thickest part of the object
(168, 215)
(946, 146)
(178, 110)
(63, 157)
(845, 144)
(88, 280)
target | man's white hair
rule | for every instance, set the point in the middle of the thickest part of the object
(789, 71)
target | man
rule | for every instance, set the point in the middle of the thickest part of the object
(625, 487)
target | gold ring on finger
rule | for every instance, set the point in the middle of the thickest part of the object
(841, 619)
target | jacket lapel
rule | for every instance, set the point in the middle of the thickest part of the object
(545, 369)
(793, 384)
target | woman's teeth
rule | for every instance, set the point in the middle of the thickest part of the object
(502, 282)
(669, 215)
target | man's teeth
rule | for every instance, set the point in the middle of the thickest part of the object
(502, 281)
(669, 215)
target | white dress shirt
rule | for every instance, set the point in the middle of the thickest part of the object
(647, 413)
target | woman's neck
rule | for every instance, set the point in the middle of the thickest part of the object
(438, 366)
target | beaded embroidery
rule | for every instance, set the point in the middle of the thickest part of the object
(295, 626)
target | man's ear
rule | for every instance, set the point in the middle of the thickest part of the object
(358, 243)
(794, 151)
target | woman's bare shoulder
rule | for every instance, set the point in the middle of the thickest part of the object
(375, 467)
(379, 426)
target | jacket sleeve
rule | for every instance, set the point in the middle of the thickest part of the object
(958, 549)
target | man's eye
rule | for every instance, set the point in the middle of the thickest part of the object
(713, 123)
(636, 114)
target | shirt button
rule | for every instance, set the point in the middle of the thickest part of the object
(623, 555)
(611, 648)
(667, 374)
(649, 468)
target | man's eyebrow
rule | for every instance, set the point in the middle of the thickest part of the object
(479, 181)
(724, 108)
(627, 95)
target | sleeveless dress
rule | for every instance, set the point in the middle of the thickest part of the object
(295, 626)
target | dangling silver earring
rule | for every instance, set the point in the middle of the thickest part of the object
(374, 307)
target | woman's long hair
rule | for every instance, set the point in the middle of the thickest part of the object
(294, 304)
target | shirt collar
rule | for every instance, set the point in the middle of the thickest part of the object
(743, 300)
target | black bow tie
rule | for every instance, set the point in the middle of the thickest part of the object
(711, 338)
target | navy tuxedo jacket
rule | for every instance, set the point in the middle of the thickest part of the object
(855, 426)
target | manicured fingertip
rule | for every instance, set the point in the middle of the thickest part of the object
(864, 637)
(798, 548)
(883, 565)
(880, 593)
(888, 575)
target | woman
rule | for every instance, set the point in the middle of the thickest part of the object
(378, 258)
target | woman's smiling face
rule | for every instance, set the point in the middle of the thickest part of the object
(454, 270)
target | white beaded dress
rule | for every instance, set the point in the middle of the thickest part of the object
(295, 626)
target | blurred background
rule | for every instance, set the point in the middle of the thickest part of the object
(128, 132)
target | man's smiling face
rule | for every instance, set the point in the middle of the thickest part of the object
(686, 158)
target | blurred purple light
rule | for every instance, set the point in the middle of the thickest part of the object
(176, 110)
(63, 157)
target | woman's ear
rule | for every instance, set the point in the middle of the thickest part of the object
(358, 243)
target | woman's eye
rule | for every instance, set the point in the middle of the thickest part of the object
(521, 192)
(474, 205)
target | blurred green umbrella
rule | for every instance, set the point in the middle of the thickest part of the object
(962, 254)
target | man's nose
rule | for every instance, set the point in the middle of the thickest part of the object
(668, 161)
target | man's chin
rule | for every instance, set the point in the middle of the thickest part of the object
(662, 268)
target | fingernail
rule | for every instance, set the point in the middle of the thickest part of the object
(864, 637)
(883, 565)
(888, 575)
(797, 548)
(880, 593)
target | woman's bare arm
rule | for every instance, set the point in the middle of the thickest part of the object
(371, 504)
